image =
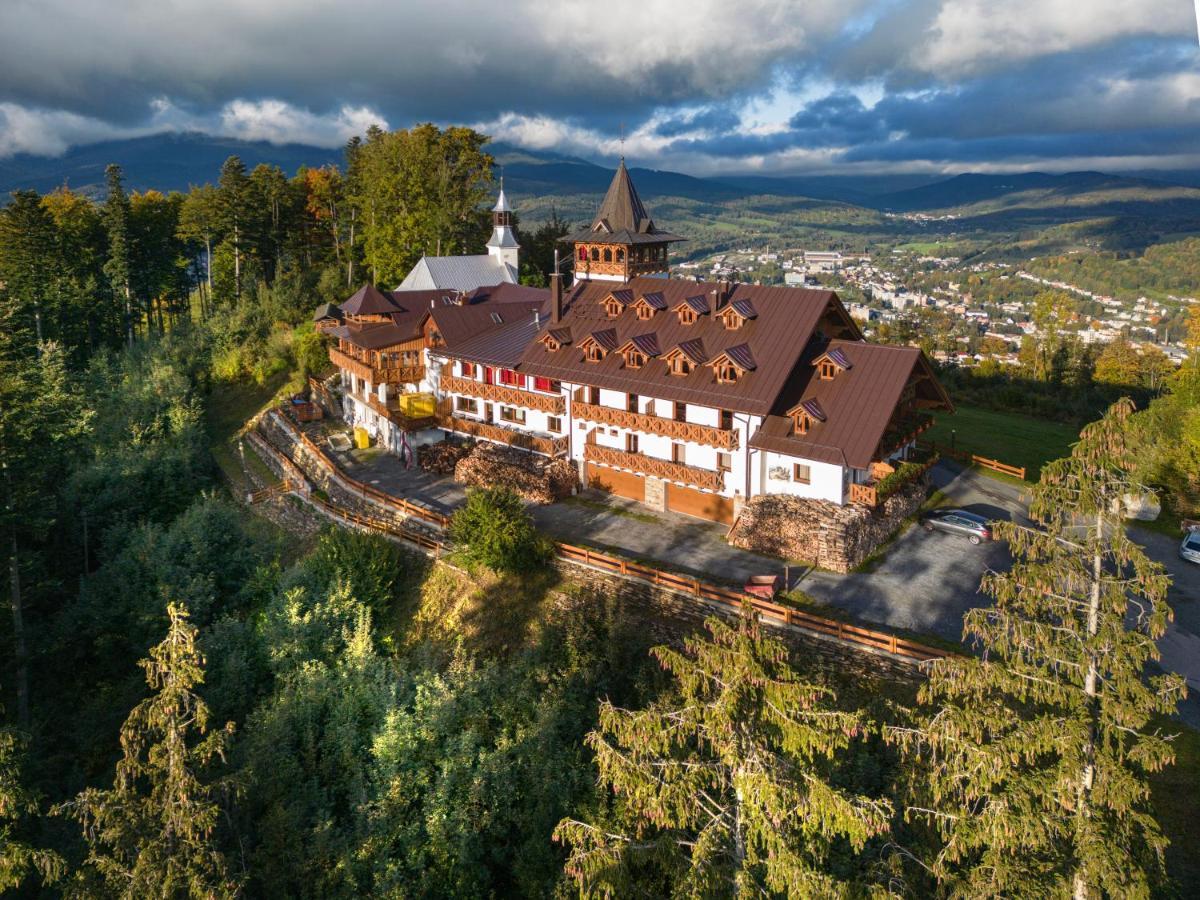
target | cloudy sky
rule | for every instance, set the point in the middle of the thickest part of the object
(703, 86)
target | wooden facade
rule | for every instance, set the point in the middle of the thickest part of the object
(619, 260)
(555, 404)
(652, 465)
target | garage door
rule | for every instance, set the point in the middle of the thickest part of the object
(614, 481)
(692, 502)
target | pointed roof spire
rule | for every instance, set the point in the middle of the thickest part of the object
(622, 208)
(502, 201)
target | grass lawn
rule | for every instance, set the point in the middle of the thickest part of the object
(1175, 791)
(229, 406)
(1008, 437)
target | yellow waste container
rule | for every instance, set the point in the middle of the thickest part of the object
(362, 440)
(416, 406)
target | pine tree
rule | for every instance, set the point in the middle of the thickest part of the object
(152, 833)
(724, 788)
(1035, 755)
(17, 858)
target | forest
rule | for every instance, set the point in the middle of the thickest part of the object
(200, 703)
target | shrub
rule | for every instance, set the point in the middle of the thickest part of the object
(494, 529)
(369, 565)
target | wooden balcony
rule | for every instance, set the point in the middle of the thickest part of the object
(648, 424)
(392, 413)
(652, 465)
(374, 374)
(555, 404)
(522, 440)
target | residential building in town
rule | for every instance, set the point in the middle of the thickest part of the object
(687, 396)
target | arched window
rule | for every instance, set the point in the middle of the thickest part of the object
(583, 254)
(595, 255)
(620, 255)
(607, 254)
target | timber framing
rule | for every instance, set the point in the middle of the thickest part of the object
(644, 422)
(555, 404)
(706, 479)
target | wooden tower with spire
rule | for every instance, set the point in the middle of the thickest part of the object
(623, 241)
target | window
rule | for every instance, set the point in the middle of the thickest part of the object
(828, 370)
(679, 454)
(612, 306)
(511, 378)
(512, 414)
(593, 396)
(595, 255)
(545, 385)
(583, 254)
(726, 420)
(802, 423)
(594, 353)
(631, 402)
(724, 462)
(554, 424)
(466, 405)
(680, 411)
(466, 370)
(645, 311)
(727, 373)
(680, 365)
(620, 255)
(731, 320)
(802, 474)
(634, 359)
(631, 443)
(607, 254)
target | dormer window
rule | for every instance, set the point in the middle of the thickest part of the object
(737, 313)
(551, 344)
(733, 363)
(634, 359)
(830, 363)
(556, 339)
(730, 319)
(687, 317)
(597, 344)
(593, 353)
(727, 373)
(645, 312)
(805, 415)
(612, 307)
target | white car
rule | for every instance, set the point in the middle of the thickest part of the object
(1190, 548)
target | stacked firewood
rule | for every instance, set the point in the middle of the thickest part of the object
(442, 457)
(532, 477)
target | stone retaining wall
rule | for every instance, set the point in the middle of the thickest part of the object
(834, 537)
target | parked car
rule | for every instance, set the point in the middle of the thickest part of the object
(1190, 548)
(958, 521)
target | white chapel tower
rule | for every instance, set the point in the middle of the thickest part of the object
(503, 244)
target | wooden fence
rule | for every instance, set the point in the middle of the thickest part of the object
(398, 504)
(728, 600)
(731, 601)
(972, 459)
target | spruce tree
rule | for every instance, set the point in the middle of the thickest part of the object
(118, 266)
(152, 833)
(233, 211)
(1035, 755)
(17, 858)
(724, 788)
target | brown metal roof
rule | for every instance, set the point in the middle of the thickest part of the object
(857, 404)
(785, 321)
(368, 300)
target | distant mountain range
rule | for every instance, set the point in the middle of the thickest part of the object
(175, 161)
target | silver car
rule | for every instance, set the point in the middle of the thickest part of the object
(1190, 548)
(958, 521)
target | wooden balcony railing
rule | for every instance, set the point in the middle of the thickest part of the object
(864, 494)
(350, 364)
(555, 404)
(651, 465)
(522, 440)
(648, 424)
(374, 374)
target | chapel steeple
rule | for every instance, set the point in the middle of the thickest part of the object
(623, 241)
(503, 243)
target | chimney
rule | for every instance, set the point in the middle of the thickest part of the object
(556, 300)
(725, 291)
(537, 318)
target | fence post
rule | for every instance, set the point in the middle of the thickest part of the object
(893, 643)
(696, 588)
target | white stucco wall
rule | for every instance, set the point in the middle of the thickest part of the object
(776, 477)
